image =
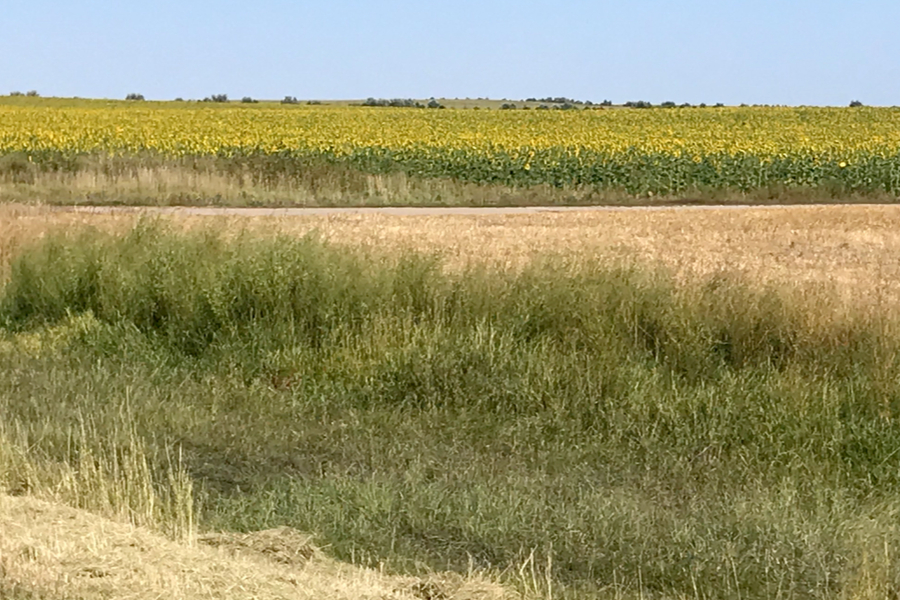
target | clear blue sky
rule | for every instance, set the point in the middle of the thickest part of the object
(821, 52)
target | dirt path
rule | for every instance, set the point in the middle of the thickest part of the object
(402, 211)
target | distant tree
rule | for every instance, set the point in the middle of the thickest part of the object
(559, 100)
(856, 104)
(248, 100)
(136, 97)
(290, 100)
(32, 94)
(16, 94)
(394, 102)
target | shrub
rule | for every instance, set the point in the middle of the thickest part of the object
(395, 102)
(856, 104)
(248, 100)
(216, 98)
(668, 104)
(134, 97)
(290, 100)
(16, 94)
(638, 104)
(559, 100)
(507, 106)
(32, 94)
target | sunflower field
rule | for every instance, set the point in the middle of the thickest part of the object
(650, 151)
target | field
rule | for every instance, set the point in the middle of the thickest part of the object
(677, 403)
(80, 151)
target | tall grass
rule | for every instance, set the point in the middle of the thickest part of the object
(286, 181)
(592, 429)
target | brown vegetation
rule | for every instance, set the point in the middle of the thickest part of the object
(854, 249)
(53, 551)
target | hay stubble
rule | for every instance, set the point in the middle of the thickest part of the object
(853, 250)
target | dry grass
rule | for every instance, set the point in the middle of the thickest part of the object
(52, 551)
(172, 185)
(853, 249)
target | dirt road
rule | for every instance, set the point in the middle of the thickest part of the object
(399, 211)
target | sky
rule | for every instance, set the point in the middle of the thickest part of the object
(809, 52)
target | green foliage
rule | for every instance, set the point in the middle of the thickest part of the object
(394, 102)
(681, 440)
(631, 172)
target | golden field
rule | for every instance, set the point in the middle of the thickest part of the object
(180, 129)
(655, 151)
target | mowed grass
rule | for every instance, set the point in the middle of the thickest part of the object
(578, 426)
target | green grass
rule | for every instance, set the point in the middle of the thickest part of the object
(601, 428)
(380, 178)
